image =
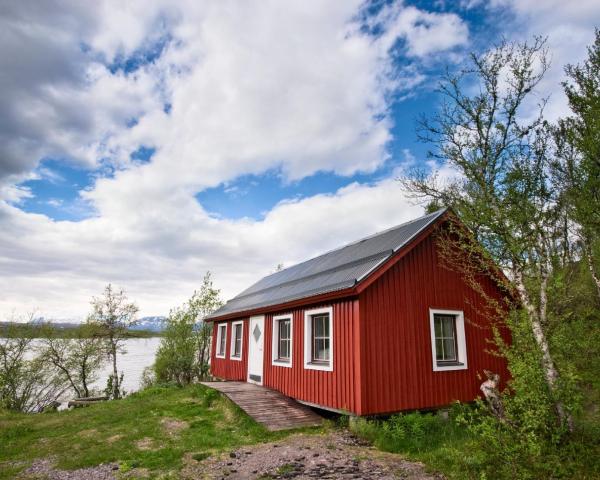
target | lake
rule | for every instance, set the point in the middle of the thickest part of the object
(140, 354)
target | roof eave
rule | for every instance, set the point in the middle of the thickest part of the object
(323, 297)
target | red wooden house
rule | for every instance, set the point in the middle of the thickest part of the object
(374, 327)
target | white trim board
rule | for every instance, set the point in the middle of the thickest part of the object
(232, 342)
(275, 337)
(460, 340)
(307, 339)
(219, 337)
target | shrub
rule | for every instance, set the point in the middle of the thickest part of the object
(530, 442)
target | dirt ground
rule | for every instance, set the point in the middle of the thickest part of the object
(335, 455)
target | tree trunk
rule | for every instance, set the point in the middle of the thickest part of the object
(84, 377)
(69, 378)
(550, 372)
(116, 386)
(592, 268)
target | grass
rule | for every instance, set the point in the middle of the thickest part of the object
(152, 429)
(445, 446)
(428, 438)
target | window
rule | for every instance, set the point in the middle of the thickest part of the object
(221, 340)
(448, 347)
(445, 338)
(282, 340)
(237, 329)
(318, 339)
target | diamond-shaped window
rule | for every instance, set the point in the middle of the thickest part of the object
(256, 332)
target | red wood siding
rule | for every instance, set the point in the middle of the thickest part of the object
(397, 372)
(225, 367)
(337, 389)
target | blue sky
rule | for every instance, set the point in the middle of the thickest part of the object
(145, 143)
(253, 195)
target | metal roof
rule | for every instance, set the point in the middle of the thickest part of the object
(335, 270)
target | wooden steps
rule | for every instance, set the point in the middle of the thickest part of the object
(269, 407)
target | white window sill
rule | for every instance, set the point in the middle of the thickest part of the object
(325, 367)
(237, 359)
(444, 367)
(220, 356)
(282, 363)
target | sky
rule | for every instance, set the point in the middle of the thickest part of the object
(144, 143)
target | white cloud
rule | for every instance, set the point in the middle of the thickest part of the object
(252, 86)
(160, 259)
(425, 32)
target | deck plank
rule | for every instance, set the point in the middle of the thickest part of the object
(269, 407)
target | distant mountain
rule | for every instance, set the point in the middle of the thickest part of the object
(151, 324)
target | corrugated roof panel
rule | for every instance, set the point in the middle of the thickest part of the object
(334, 270)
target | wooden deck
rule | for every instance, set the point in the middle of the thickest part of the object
(268, 407)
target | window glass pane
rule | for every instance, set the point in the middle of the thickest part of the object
(449, 350)
(320, 338)
(439, 349)
(445, 337)
(284, 329)
(222, 340)
(448, 327)
(318, 326)
(237, 344)
(321, 352)
(319, 349)
(284, 349)
(438, 326)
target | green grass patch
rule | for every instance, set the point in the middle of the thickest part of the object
(425, 437)
(444, 445)
(151, 429)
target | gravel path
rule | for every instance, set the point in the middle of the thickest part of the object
(335, 455)
(45, 469)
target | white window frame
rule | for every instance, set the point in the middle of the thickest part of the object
(275, 341)
(224, 355)
(308, 365)
(232, 341)
(461, 343)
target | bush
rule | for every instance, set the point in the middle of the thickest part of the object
(176, 358)
(531, 441)
(184, 350)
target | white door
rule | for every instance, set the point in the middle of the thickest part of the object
(256, 343)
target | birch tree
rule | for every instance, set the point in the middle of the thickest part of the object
(28, 383)
(491, 132)
(113, 315)
(77, 356)
(579, 163)
(202, 303)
